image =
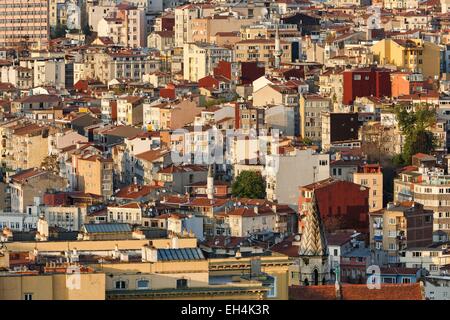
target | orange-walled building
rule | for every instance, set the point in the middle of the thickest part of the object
(406, 83)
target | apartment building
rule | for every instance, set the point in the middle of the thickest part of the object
(184, 15)
(130, 110)
(267, 30)
(286, 172)
(126, 213)
(171, 116)
(200, 59)
(24, 22)
(105, 66)
(18, 76)
(52, 285)
(371, 176)
(204, 29)
(29, 186)
(401, 4)
(126, 27)
(429, 187)
(262, 50)
(431, 258)
(94, 174)
(400, 226)
(311, 108)
(415, 55)
(25, 146)
(70, 218)
(366, 82)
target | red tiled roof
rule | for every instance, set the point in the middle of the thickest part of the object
(26, 174)
(152, 155)
(134, 191)
(357, 292)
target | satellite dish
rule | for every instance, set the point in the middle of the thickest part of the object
(264, 12)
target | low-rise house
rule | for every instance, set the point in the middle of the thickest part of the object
(130, 213)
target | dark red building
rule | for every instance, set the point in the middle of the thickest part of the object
(366, 82)
(240, 72)
(342, 204)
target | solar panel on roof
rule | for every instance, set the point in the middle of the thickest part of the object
(180, 254)
(107, 227)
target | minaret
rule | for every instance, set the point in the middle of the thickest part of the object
(278, 52)
(210, 183)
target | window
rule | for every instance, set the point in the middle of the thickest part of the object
(335, 252)
(273, 287)
(121, 284)
(28, 296)
(388, 280)
(143, 284)
(406, 280)
(182, 284)
(417, 254)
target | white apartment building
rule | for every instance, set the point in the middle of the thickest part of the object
(286, 172)
(431, 259)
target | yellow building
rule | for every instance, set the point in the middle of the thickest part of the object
(51, 286)
(413, 55)
(130, 110)
(274, 267)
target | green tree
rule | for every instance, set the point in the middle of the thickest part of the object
(415, 126)
(58, 31)
(87, 31)
(249, 184)
(51, 163)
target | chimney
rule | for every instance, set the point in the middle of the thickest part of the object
(149, 253)
(174, 242)
(124, 256)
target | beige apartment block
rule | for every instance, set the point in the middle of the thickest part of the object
(24, 22)
(205, 29)
(311, 107)
(400, 226)
(262, 50)
(371, 176)
(94, 174)
(183, 21)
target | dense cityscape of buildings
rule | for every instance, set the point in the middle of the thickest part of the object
(233, 150)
